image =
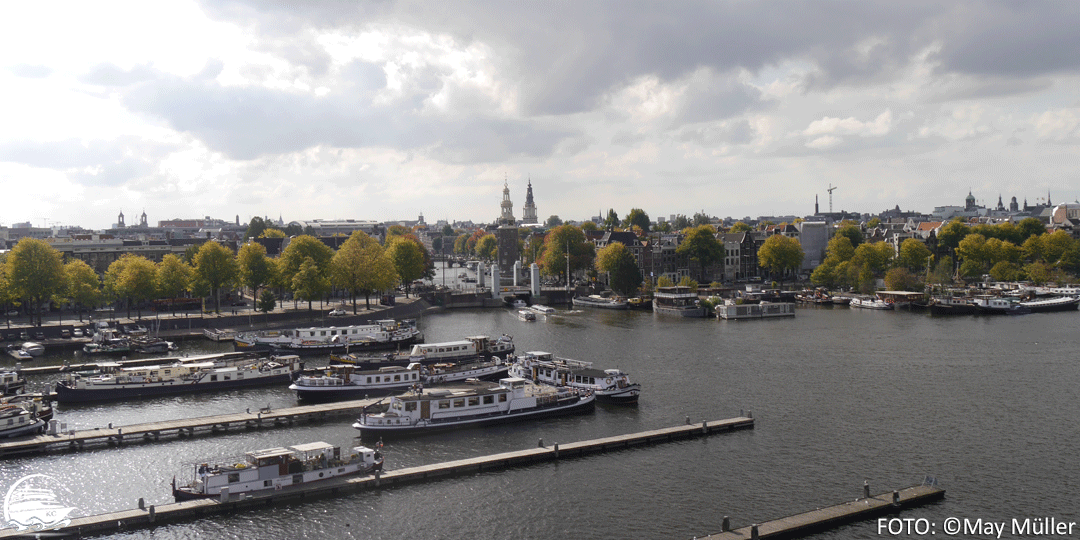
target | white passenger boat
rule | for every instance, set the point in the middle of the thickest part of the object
(32, 348)
(540, 309)
(677, 300)
(870, 303)
(599, 302)
(181, 377)
(384, 334)
(611, 385)
(469, 349)
(276, 469)
(347, 382)
(16, 420)
(476, 404)
(11, 382)
(526, 315)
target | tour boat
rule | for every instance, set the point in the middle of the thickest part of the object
(611, 385)
(540, 309)
(181, 377)
(870, 303)
(384, 334)
(277, 468)
(526, 315)
(473, 404)
(471, 348)
(677, 300)
(344, 382)
(11, 382)
(597, 301)
(16, 420)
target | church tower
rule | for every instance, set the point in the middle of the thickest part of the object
(507, 236)
(142, 220)
(530, 206)
(507, 217)
(120, 220)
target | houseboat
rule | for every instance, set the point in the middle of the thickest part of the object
(763, 310)
(951, 305)
(347, 382)
(472, 405)
(598, 302)
(276, 469)
(998, 305)
(469, 349)
(1060, 303)
(677, 300)
(385, 334)
(182, 377)
(609, 385)
(16, 420)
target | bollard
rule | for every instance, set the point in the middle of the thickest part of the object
(753, 532)
(110, 425)
(556, 450)
(224, 494)
(749, 414)
(378, 473)
(152, 513)
(541, 443)
(142, 504)
(866, 489)
(687, 421)
(704, 427)
(896, 498)
(725, 525)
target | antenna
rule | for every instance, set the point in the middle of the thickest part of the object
(831, 188)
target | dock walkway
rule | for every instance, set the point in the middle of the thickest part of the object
(152, 431)
(126, 520)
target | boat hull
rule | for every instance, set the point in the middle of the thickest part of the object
(37, 426)
(620, 396)
(65, 394)
(583, 404)
(1050, 306)
(697, 312)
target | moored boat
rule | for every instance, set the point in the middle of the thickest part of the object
(278, 468)
(11, 382)
(610, 385)
(472, 405)
(997, 305)
(677, 300)
(469, 349)
(16, 420)
(151, 345)
(347, 382)
(951, 305)
(182, 377)
(385, 334)
(542, 309)
(1060, 303)
(870, 303)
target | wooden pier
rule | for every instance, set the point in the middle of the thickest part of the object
(152, 516)
(153, 431)
(822, 519)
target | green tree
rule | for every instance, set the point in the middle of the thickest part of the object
(780, 254)
(460, 244)
(740, 227)
(680, 222)
(839, 249)
(639, 218)
(1006, 271)
(173, 277)
(309, 282)
(590, 226)
(851, 231)
(901, 279)
(950, 234)
(612, 219)
(487, 247)
(873, 258)
(267, 301)
(662, 227)
(216, 267)
(35, 273)
(972, 254)
(408, 258)
(1030, 227)
(687, 281)
(914, 255)
(296, 252)
(83, 285)
(256, 269)
(255, 227)
(664, 281)
(396, 230)
(139, 281)
(700, 245)
(361, 266)
(701, 219)
(271, 232)
(874, 222)
(553, 221)
(447, 230)
(558, 243)
(624, 275)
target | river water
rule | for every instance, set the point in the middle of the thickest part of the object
(987, 405)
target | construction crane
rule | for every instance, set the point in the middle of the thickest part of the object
(831, 188)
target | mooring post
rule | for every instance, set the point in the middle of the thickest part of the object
(896, 498)
(688, 420)
(866, 489)
(556, 450)
(725, 525)
(753, 532)
(541, 443)
(704, 427)
(378, 473)
(152, 513)
(142, 504)
(224, 494)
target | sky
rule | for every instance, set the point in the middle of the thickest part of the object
(384, 110)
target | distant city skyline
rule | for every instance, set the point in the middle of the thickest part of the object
(385, 111)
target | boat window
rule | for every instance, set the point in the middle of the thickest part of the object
(459, 402)
(414, 375)
(322, 333)
(474, 401)
(502, 398)
(10, 421)
(234, 478)
(397, 378)
(410, 406)
(266, 483)
(333, 332)
(369, 380)
(488, 400)
(213, 378)
(444, 404)
(298, 479)
(377, 378)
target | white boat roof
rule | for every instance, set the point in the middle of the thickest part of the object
(270, 452)
(444, 344)
(311, 447)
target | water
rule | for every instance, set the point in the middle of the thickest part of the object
(986, 404)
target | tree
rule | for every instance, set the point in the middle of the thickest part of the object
(408, 259)
(914, 255)
(840, 249)
(1030, 227)
(35, 273)
(612, 219)
(487, 247)
(297, 251)
(255, 227)
(460, 246)
(173, 277)
(701, 245)
(216, 267)
(83, 285)
(1006, 271)
(624, 276)
(950, 234)
(780, 254)
(639, 218)
(447, 230)
(271, 232)
(740, 227)
(901, 279)
(558, 243)
(396, 230)
(874, 222)
(361, 266)
(552, 221)
(851, 231)
(309, 282)
(680, 222)
(267, 301)
(687, 281)
(701, 219)
(139, 281)
(590, 226)
(664, 281)
(256, 269)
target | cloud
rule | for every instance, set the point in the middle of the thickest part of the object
(31, 71)
(109, 74)
(92, 163)
(851, 126)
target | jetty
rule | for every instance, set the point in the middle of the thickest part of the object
(861, 509)
(60, 439)
(151, 516)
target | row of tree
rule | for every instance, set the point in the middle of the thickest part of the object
(34, 272)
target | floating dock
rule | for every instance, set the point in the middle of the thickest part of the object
(152, 516)
(153, 431)
(822, 519)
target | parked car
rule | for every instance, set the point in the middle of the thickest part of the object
(77, 332)
(39, 335)
(13, 313)
(337, 313)
(24, 335)
(65, 333)
(239, 303)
